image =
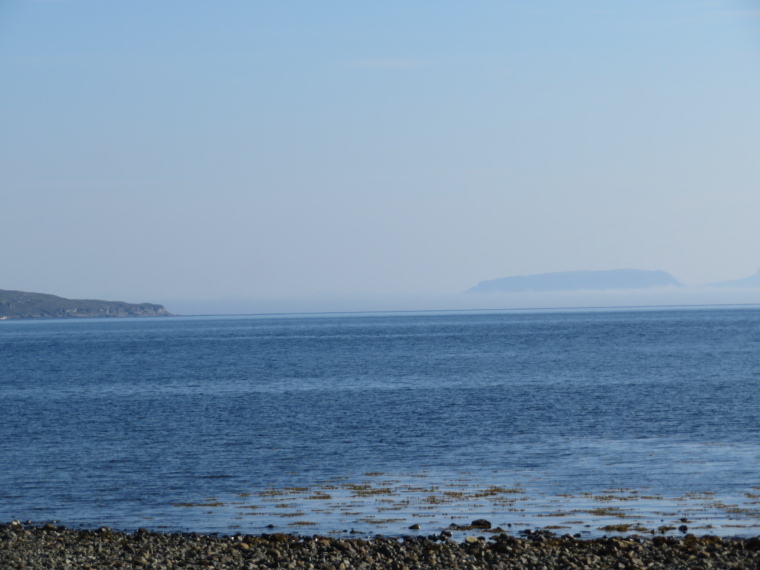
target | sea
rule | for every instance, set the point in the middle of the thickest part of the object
(585, 422)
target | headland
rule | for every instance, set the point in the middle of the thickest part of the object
(24, 305)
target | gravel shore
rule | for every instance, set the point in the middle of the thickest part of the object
(54, 547)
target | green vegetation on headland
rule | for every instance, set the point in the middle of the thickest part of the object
(23, 305)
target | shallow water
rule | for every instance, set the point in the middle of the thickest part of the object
(187, 423)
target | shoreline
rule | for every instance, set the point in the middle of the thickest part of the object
(46, 546)
(380, 503)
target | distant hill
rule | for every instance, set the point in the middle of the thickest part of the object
(745, 282)
(22, 305)
(578, 281)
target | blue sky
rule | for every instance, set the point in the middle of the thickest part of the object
(259, 150)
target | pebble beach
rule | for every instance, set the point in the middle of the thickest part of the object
(27, 547)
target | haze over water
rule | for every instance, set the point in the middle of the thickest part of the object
(303, 157)
(378, 421)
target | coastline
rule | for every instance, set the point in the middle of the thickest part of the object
(34, 547)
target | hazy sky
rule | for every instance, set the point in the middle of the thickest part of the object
(199, 150)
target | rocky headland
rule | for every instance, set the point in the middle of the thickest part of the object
(23, 305)
(28, 547)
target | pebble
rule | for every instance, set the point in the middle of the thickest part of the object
(42, 547)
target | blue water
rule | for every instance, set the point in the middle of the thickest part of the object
(119, 421)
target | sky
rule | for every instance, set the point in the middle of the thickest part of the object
(267, 156)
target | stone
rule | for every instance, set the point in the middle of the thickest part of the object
(35, 548)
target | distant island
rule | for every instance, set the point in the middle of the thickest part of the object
(751, 281)
(578, 281)
(23, 305)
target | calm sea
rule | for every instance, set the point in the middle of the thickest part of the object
(570, 420)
